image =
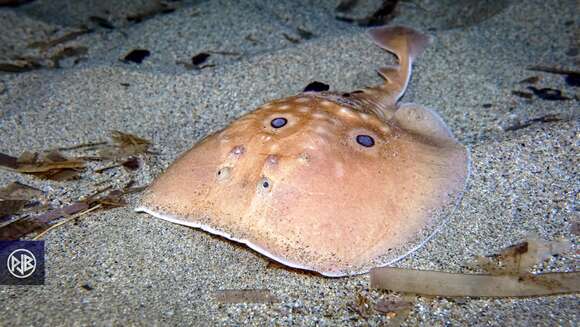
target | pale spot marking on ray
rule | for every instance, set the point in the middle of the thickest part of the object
(346, 112)
(302, 100)
(364, 116)
(284, 107)
(316, 141)
(321, 130)
(334, 121)
(385, 129)
(326, 103)
(304, 109)
(310, 146)
(339, 169)
(319, 115)
(264, 138)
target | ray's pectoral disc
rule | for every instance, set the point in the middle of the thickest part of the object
(331, 182)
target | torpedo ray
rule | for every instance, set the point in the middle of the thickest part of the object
(332, 182)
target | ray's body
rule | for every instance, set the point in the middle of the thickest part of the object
(332, 182)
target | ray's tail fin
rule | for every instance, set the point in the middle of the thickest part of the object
(406, 44)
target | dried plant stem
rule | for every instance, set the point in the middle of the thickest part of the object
(437, 283)
(75, 216)
(83, 145)
(553, 69)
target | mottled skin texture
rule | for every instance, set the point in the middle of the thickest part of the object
(307, 193)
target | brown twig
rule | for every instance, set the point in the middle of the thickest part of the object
(75, 216)
(553, 69)
(83, 145)
(542, 119)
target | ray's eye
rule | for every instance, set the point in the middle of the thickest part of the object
(365, 140)
(278, 122)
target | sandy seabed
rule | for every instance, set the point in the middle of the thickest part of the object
(144, 271)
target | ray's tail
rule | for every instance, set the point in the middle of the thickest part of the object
(406, 44)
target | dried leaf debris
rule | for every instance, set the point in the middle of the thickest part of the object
(45, 222)
(393, 305)
(158, 7)
(124, 150)
(136, 55)
(548, 118)
(383, 15)
(572, 75)
(47, 54)
(199, 60)
(52, 164)
(362, 306)
(125, 145)
(519, 258)
(66, 37)
(48, 165)
(396, 308)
